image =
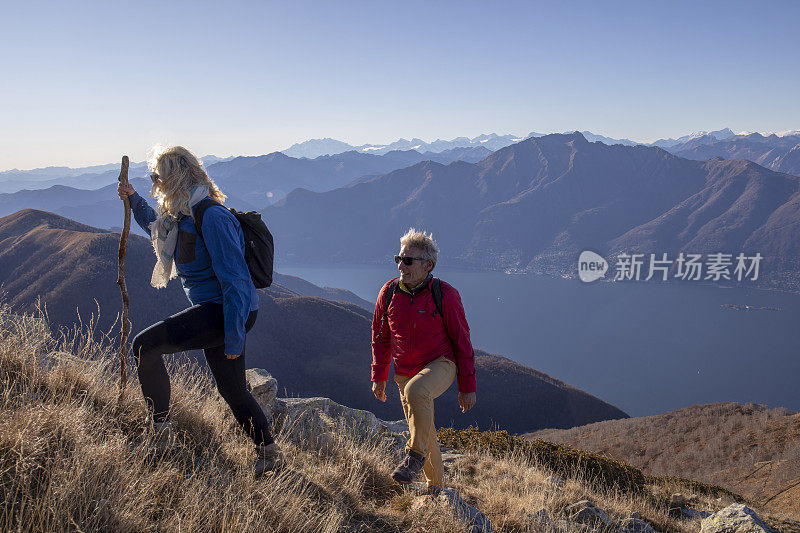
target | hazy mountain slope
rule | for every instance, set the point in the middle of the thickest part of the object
(302, 287)
(741, 207)
(91, 177)
(750, 449)
(265, 179)
(81, 178)
(98, 207)
(534, 205)
(313, 346)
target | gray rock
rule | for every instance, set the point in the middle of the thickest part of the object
(541, 519)
(635, 525)
(449, 458)
(565, 526)
(263, 386)
(636, 515)
(736, 518)
(677, 501)
(584, 512)
(475, 520)
(555, 482)
(315, 421)
(691, 514)
(396, 426)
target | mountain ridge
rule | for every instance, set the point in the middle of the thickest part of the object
(535, 205)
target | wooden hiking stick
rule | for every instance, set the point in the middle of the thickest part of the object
(123, 247)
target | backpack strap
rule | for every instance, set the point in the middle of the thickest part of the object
(436, 292)
(199, 211)
(387, 299)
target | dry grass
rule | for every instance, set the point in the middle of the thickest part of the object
(65, 464)
(749, 449)
(511, 489)
(507, 477)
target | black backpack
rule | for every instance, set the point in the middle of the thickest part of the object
(436, 292)
(259, 248)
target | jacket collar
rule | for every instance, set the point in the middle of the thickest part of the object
(416, 290)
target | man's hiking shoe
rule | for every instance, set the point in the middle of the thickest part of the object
(268, 459)
(409, 468)
(158, 438)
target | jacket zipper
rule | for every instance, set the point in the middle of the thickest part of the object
(413, 324)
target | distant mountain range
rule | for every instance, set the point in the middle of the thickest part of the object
(709, 135)
(779, 153)
(247, 181)
(535, 205)
(313, 345)
(317, 147)
(328, 146)
(277, 181)
(92, 177)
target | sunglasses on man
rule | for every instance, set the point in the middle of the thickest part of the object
(408, 261)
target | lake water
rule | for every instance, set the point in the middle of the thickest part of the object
(646, 348)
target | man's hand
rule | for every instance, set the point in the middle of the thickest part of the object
(379, 390)
(125, 190)
(466, 400)
(232, 355)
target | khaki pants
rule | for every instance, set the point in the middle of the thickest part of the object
(417, 394)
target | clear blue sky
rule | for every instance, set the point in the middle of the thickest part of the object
(84, 82)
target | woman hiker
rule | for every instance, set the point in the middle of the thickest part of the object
(217, 282)
(419, 323)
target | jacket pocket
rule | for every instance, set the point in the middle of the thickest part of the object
(186, 245)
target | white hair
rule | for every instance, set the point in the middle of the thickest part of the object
(421, 241)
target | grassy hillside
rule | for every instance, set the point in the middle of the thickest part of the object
(750, 449)
(65, 463)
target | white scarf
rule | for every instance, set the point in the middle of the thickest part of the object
(164, 234)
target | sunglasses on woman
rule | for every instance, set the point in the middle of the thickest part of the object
(408, 261)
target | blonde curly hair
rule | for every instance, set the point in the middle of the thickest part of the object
(178, 170)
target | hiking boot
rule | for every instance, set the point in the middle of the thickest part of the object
(409, 468)
(158, 438)
(268, 459)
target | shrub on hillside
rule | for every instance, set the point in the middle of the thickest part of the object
(558, 458)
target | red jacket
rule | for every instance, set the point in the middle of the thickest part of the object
(415, 337)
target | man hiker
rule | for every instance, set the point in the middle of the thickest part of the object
(420, 321)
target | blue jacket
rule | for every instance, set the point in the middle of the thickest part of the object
(212, 269)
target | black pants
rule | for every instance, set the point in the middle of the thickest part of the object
(200, 326)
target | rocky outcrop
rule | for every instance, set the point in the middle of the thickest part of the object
(315, 421)
(584, 512)
(635, 525)
(475, 520)
(584, 517)
(736, 518)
